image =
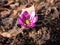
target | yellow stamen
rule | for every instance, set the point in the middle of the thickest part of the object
(27, 22)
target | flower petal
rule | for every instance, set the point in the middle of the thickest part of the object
(32, 13)
(33, 20)
(32, 25)
(20, 21)
(25, 15)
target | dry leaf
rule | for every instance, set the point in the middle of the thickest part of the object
(6, 34)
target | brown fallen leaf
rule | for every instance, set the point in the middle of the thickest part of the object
(6, 34)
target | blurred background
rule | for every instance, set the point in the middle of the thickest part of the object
(47, 30)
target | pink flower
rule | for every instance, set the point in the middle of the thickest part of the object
(28, 18)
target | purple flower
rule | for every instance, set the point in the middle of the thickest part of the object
(28, 18)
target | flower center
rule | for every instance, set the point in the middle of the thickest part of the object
(27, 22)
